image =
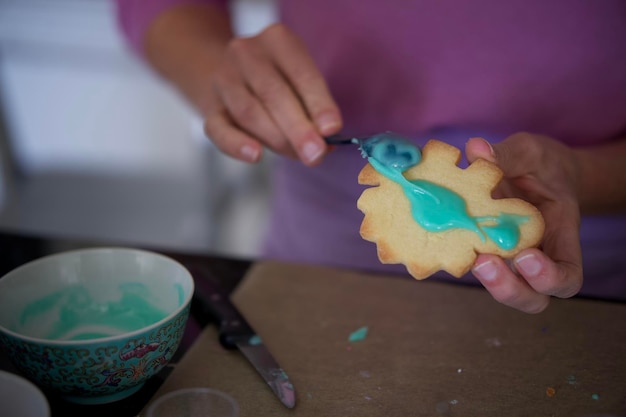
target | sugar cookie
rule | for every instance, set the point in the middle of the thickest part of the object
(427, 213)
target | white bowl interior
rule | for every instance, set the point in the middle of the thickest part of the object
(92, 293)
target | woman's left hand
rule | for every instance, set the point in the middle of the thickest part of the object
(544, 172)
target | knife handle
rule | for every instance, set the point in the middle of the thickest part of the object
(217, 305)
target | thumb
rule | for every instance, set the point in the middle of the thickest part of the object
(515, 156)
(479, 148)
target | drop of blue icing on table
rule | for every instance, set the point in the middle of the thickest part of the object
(255, 340)
(358, 335)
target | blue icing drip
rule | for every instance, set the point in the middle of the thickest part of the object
(505, 232)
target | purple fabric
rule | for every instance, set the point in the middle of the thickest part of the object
(449, 70)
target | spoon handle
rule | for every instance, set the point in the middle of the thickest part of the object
(339, 140)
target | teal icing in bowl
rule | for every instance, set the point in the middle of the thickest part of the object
(80, 317)
(93, 325)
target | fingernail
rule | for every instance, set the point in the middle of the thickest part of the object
(327, 123)
(529, 265)
(249, 153)
(311, 151)
(493, 152)
(486, 271)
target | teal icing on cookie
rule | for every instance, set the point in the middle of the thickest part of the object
(504, 230)
(434, 207)
(391, 150)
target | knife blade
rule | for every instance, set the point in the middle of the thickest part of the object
(236, 333)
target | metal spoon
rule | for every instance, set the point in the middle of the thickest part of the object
(347, 140)
(342, 140)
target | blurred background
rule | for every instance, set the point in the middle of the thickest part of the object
(95, 146)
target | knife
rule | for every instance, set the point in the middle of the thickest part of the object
(236, 333)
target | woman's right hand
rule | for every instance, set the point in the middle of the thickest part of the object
(267, 92)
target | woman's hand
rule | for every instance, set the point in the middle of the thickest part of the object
(267, 92)
(252, 92)
(545, 173)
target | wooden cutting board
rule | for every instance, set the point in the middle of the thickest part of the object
(432, 349)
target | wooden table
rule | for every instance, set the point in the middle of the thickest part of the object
(432, 348)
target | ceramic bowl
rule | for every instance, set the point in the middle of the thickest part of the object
(93, 325)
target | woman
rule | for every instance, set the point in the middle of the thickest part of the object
(543, 82)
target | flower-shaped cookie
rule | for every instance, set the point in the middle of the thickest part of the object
(436, 216)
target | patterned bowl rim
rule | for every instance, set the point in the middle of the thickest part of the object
(64, 343)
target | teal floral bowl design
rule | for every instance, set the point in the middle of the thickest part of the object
(94, 325)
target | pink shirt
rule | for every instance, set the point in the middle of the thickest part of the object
(445, 69)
